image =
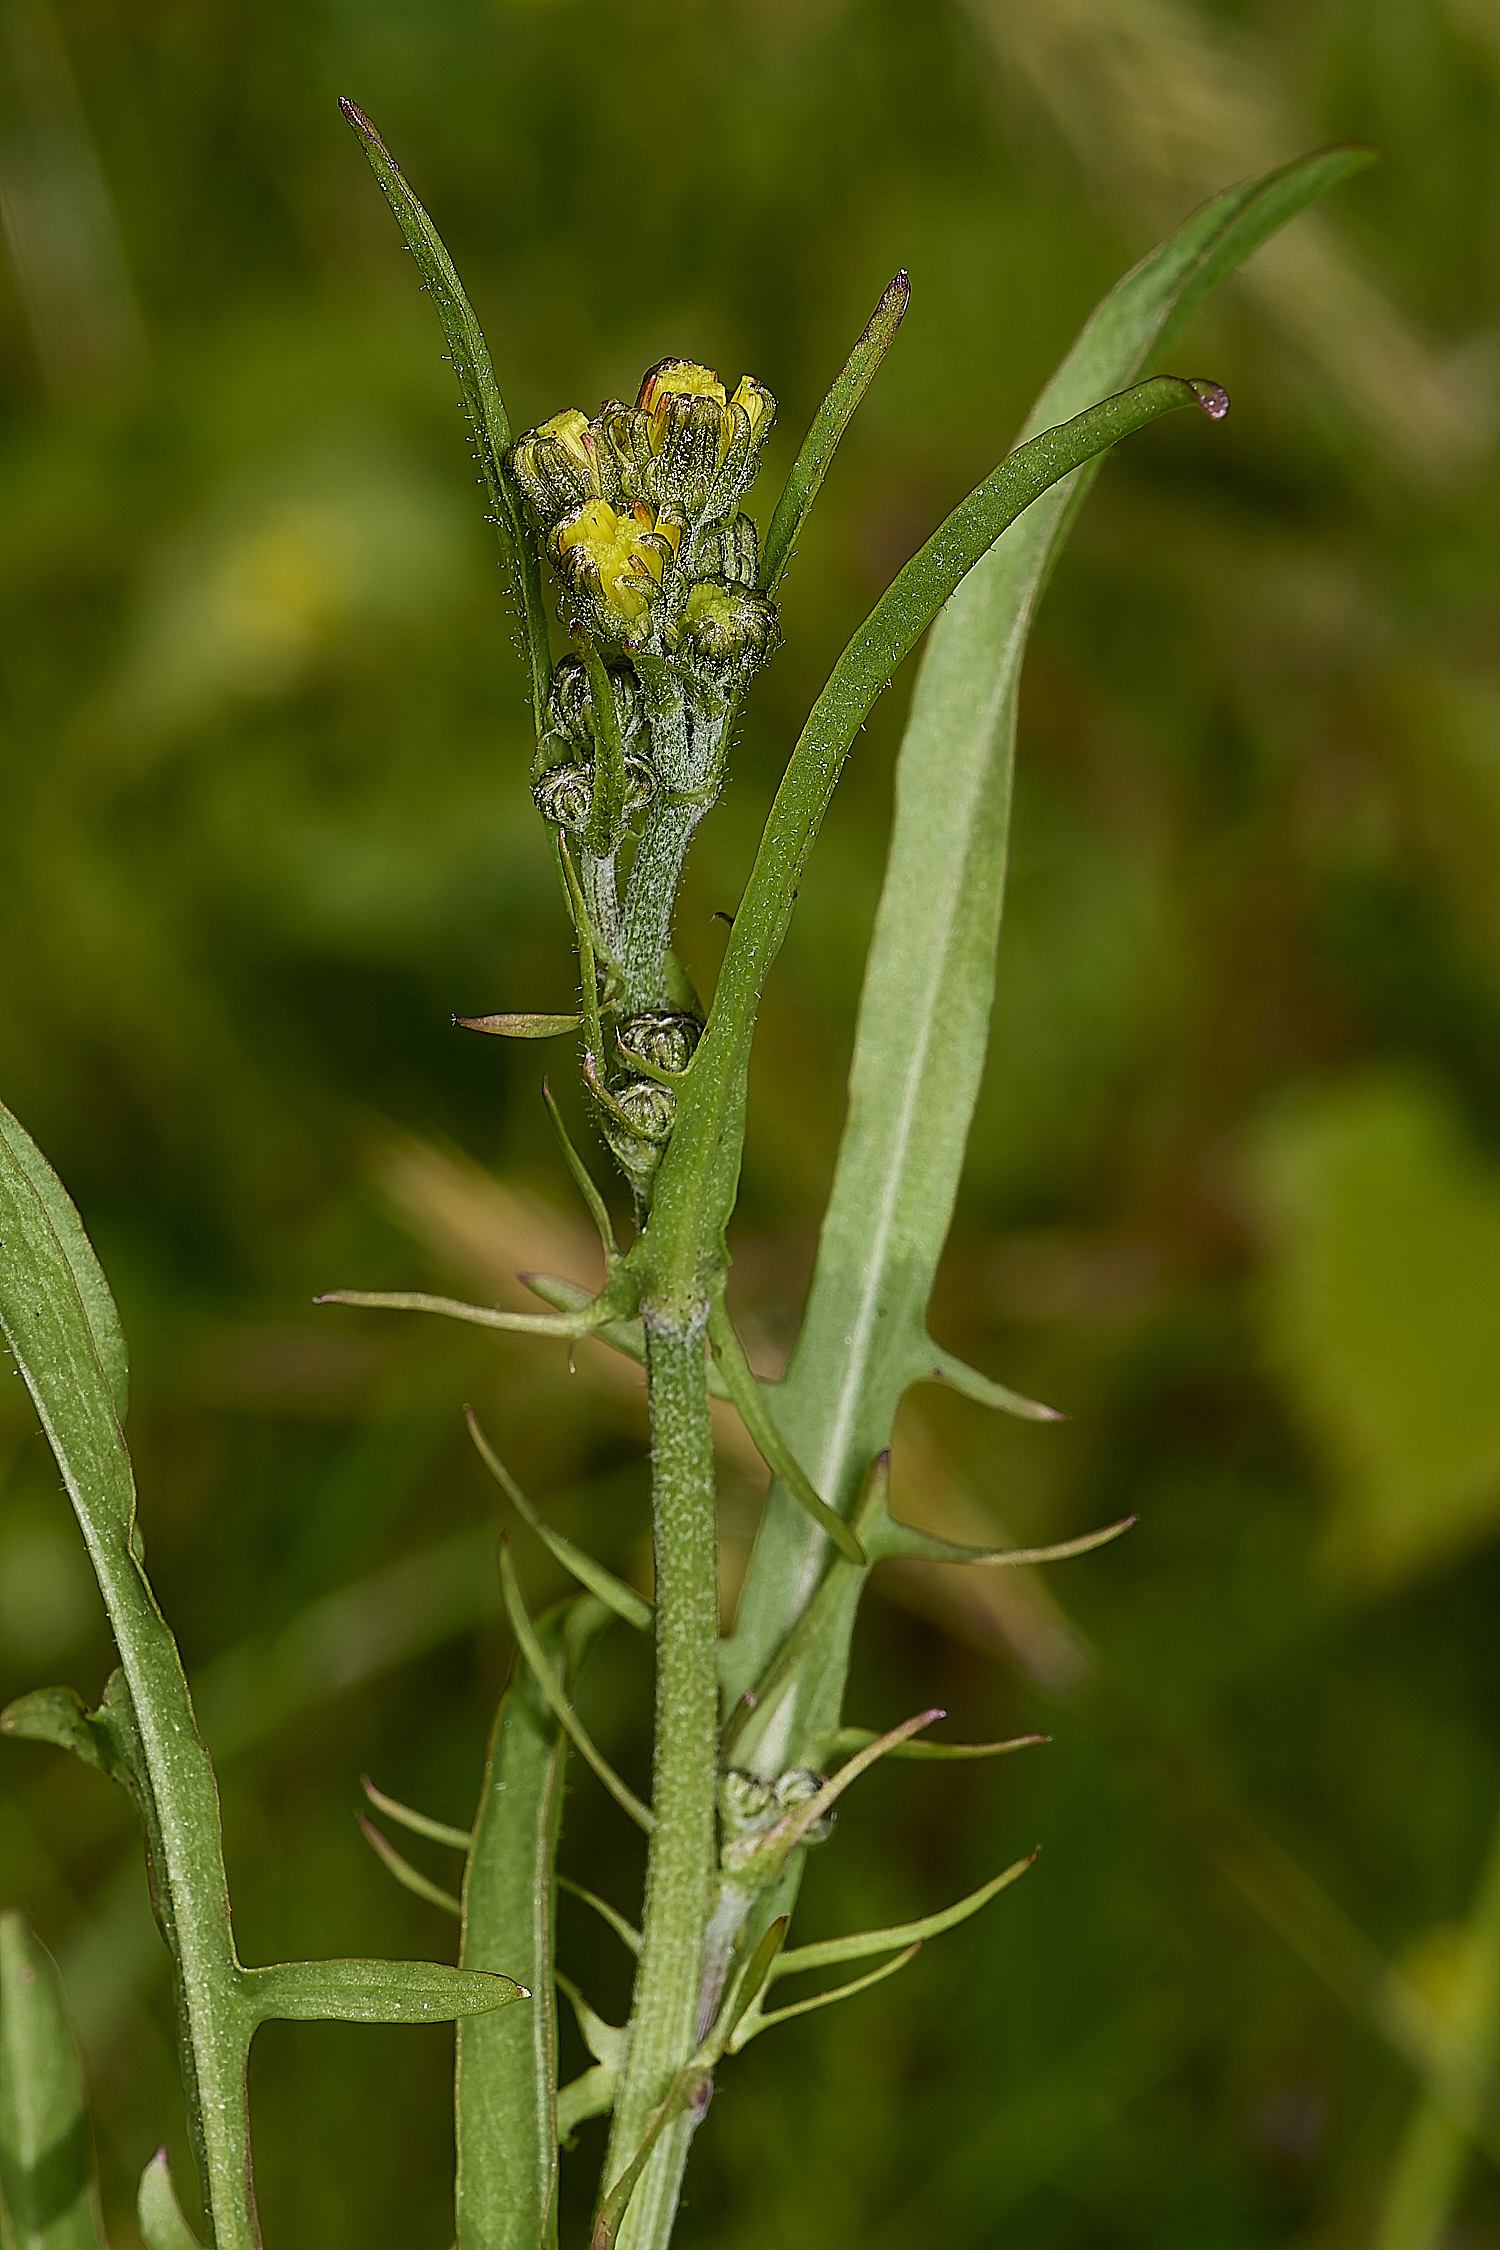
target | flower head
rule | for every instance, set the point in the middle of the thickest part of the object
(619, 564)
(561, 465)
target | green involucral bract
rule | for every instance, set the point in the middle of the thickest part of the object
(667, 594)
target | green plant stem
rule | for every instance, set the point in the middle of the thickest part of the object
(650, 898)
(680, 1870)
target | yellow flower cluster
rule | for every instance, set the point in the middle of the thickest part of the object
(639, 509)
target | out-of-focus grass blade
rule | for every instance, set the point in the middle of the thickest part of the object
(1434, 2149)
(477, 387)
(47, 2180)
(829, 424)
(507, 2064)
(929, 982)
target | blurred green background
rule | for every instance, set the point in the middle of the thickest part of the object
(1234, 1193)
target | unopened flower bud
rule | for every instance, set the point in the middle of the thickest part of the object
(700, 448)
(726, 629)
(794, 1788)
(561, 465)
(726, 550)
(747, 1805)
(665, 1040)
(570, 709)
(648, 1109)
(565, 794)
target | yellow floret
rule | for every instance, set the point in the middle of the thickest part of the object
(621, 553)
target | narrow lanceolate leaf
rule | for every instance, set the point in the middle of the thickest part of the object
(613, 1592)
(696, 1187)
(46, 1325)
(740, 1382)
(929, 983)
(374, 1992)
(410, 1878)
(158, 2212)
(759, 1970)
(850, 1739)
(420, 1824)
(756, 2023)
(584, 1181)
(627, 1933)
(582, 1323)
(833, 1951)
(94, 1292)
(942, 1367)
(557, 1696)
(47, 2181)
(691, 2089)
(887, 1540)
(477, 388)
(507, 2124)
(833, 418)
(520, 1027)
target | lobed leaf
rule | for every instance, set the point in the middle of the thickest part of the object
(48, 2188)
(929, 982)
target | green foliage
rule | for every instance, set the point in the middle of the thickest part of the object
(49, 2196)
(266, 826)
(1381, 1292)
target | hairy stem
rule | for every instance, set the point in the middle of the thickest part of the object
(651, 897)
(680, 1872)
